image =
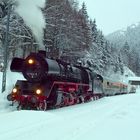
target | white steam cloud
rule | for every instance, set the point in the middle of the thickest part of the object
(32, 15)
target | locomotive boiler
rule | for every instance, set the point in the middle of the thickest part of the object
(52, 83)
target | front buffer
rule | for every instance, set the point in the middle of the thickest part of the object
(28, 96)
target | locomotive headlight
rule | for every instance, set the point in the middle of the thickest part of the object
(38, 91)
(31, 61)
(14, 90)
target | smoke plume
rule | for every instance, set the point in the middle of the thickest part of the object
(30, 11)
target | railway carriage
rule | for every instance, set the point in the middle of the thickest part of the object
(112, 87)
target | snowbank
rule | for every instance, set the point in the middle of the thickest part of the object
(10, 82)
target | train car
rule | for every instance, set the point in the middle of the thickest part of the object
(112, 87)
(131, 88)
(53, 83)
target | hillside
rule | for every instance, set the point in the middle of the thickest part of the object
(130, 34)
(127, 43)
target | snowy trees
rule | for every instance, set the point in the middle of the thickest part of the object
(20, 37)
(85, 26)
(128, 42)
(59, 24)
(130, 57)
(127, 56)
(94, 30)
(101, 56)
(67, 27)
(69, 34)
(125, 51)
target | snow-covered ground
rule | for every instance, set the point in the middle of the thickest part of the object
(110, 118)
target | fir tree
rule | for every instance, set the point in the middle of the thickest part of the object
(125, 51)
(94, 30)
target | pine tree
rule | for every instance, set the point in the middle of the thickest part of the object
(67, 28)
(134, 61)
(120, 63)
(84, 11)
(85, 27)
(94, 30)
(125, 51)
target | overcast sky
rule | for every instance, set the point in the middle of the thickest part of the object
(112, 15)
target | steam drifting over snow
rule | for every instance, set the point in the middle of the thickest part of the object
(30, 11)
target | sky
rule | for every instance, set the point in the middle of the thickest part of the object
(112, 15)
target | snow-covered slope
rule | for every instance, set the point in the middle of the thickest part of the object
(131, 34)
(10, 82)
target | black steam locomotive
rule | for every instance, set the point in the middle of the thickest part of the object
(53, 83)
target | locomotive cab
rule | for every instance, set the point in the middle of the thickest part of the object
(96, 83)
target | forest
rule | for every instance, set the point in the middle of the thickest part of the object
(69, 34)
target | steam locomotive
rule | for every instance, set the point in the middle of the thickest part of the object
(54, 83)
